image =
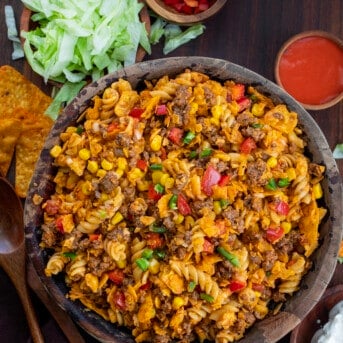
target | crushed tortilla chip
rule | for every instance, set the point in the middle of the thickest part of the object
(10, 130)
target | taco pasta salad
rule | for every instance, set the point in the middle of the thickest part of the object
(185, 210)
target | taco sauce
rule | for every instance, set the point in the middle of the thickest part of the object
(311, 70)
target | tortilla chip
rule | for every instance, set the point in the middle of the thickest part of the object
(29, 146)
(10, 130)
(18, 92)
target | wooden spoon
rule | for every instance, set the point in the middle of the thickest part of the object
(12, 251)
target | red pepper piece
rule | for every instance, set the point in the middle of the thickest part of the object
(112, 127)
(243, 103)
(248, 146)
(236, 285)
(237, 91)
(208, 246)
(52, 207)
(136, 112)
(224, 180)
(161, 110)
(119, 300)
(154, 240)
(142, 165)
(116, 276)
(145, 286)
(59, 224)
(274, 234)
(152, 194)
(175, 135)
(93, 236)
(210, 178)
(282, 207)
(258, 287)
(183, 206)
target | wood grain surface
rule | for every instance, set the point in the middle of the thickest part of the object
(245, 32)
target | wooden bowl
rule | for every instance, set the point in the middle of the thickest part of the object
(270, 329)
(311, 71)
(318, 316)
(26, 25)
(171, 15)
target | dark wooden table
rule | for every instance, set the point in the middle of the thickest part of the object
(246, 32)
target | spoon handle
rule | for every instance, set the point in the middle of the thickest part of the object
(17, 273)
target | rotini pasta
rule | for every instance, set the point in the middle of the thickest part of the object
(184, 210)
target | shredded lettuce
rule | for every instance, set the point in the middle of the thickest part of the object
(12, 33)
(79, 39)
(338, 151)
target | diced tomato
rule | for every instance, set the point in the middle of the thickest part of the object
(224, 180)
(52, 207)
(236, 285)
(145, 286)
(116, 276)
(112, 127)
(59, 224)
(152, 194)
(189, 6)
(258, 287)
(161, 110)
(142, 165)
(93, 236)
(210, 178)
(154, 240)
(282, 208)
(136, 112)
(243, 103)
(208, 246)
(175, 135)
(247, 146)
(183, 206)
(237, 91)
(274, 234)
(221, 227)
(119, 300)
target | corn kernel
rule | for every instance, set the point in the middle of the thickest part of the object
(193, 108)
(258, 109)
(135, 174)
(154, 266)
(156, 143)
(86, 188)
(178, 302)
(286, 227)
(156, 176)
(164, 179)
(101, 173)
(107, 165)
(216, 111)
(142, 185)
(84, 154)
(272, 162)
(92, 166)
(119, 172)
(121, 264)
(117, 218)
(103, 197)
(291, 174)
(317, 191)
(179, 219)
(55, 151)
(217, 207)
(122, 163)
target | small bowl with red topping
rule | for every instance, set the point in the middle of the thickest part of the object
(186, 12)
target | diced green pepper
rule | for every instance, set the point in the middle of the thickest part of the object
(283, 182)
(191, 286)
(230, 257)
(173, 202)
(69, 254)
(271, 185)
(192, 154)
(155, 166)
(159, 254)
(206, 297)
(205, 153)
(147, 253)
(142, 263)
(189, 137)
(159, 188)
(158, 229)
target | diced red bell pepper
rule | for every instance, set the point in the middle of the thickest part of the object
(210, 178)
(52, 207)
(224, 180)
(208, 246)
(136, 112)
(274, 234)
(142, 165)
(145, 286)
(243, 103)
(175, 135)
(183, 206)
(236, 285)
(152, 194)
(248, 146)
(237, 91)
(163, 153)
(282, 207)
(154, 240)
(112, 127)
(93, 236)
(59, 224)
(116, 276)
(161, 110)
(119, 300)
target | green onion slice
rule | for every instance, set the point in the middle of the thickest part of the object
(271, 185)
(229, 256)
(205, 153)
(142, 263)
(206, 297)
(155, 166)
(189, 137)
(173, 202)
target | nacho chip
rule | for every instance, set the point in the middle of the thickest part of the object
(17, 91)
(10, 130)
(29, 146)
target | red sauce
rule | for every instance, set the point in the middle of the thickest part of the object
(311, 70)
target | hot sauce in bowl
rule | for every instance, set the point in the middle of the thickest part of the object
(309, 67)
